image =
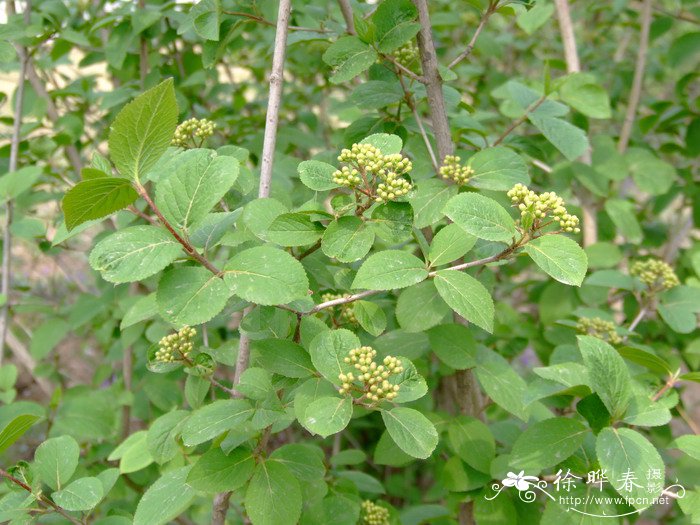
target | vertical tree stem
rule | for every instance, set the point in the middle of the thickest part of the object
(143, 53)
(6, 277)
(433, 82)
(573, 65)
(221, 501)
(638, 81)
(346, 9)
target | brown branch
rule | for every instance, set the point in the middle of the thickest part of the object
(143, 53)
(670, 382)
(346, 9)
(189, 249)
(410, 74)
(433, 82)
(220, 508)
(263, 21)
(40, 497)
(532, 107)
(6, 274)
(482, 23)
(638, 81)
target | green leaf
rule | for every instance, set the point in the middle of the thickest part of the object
(255, 383)
(82, 494)
(679, 308)
(283, 357)
(370, 317)
(484, 218)
(609, 375)
(55, 460)
(134, 253)
(582, 92)
(273, 496)
(328, 415)
(190, 295)
(395, 24)
(534, 18)
(206, 19)
(143, 130)
(412, 384)
(626, 454)
(294, 229)
(420, 307)
(547, 443)
(386, 143)
(376, 94)
(266, 275)
(429, 199)
(162, 433)
(216, 471)
(688, 444)
(317, 175)
(95, 199)
(303, 460)
(14, 183)
(348, 56)
(411, 431)
(166, 499)
(199, 182)
(449, 244)
(622, 214)
(571, 141)
(133, 453)
(347, 239)
(650, 173)
(328, 349)
(454, 345)
(214, 419)
(15, 429)
(472, 441)
(389, 270)
(466, 296)
(498, 168)
(393, 222)
(559, 257)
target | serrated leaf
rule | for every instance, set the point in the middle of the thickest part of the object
(214, 419)
(482, 217)
(609, 376)
(428, 201)
(82, 494)
(370, 317)
(571, 141)
(216, 471)
(546, 444)
(466, 296)
(394, 21)
(386, 143)
(283, 357)
(454, 345)
(134, 253)
(15, 429)
(411, 431)
(328, 349)
(328, 415)
(449, 244)
(199, 182)
(317, 175)
(166, 499)
(143, 129)
(273, 496)
(191, 295)
(294, 229)
(96, 199)
(472, 441)
(389, 270)
(625, 453)
(266, 275)
(55, 460)
(347, 239)
(498, 168)
(559, 257)
(420, 307)
(348, 56)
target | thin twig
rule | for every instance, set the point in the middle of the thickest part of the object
(638, 318)
(191, 250)
(532, 107)
(263, 21)
(637, 83)
(143, 52)
(6, 277)
(40, 497)
(670, 383)
(410, 74)
(470, 46)
(346, 9)
(412, 106)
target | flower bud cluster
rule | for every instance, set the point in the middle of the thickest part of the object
(346, 311)
(374, 377)
(373, 514)
(193, 128)
(655, 273)
(177, 346)
(451, 169)
(599, 328)
(548, 203)
(406, 54)
(365, 164)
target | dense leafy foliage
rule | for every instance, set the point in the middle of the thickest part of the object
(413, 326)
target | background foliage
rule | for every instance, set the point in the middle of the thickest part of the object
(520, 344)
